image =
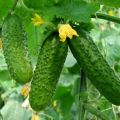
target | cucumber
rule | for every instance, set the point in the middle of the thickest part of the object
(15, 49)
(96, 67)
(49, 66)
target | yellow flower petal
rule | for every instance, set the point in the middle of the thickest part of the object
(54, 103)
(65, 30)
(111, 12)
(37, 20)
(35, 117)
(62, 35)
(72, 33)
(25, 90)
(37, 16)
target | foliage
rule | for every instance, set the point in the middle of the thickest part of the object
(78, 10)
(65, 105)
(113, 3)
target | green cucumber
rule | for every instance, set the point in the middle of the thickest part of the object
(49, 66)
(15, 49)
(96, 67)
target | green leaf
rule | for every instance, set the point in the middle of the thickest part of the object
(69, 10)
(67, 98)
(74, 69)
(5, 6)
(14, 111)
(38, 4)
(51, 112)
(113, 3)
(79, 11)
(67, 79)
(61, 91)
(63, 94)
(4, 75)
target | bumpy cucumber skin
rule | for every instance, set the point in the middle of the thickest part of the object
(49, 66)
(15, 49)
(96, 67)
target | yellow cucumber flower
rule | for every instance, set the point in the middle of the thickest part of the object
(1, 45)
(65, 30)
(37, 20)
(25, 90)
(35, 117)
(111, 12)
(54, 103)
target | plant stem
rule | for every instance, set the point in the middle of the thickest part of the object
(82, 97)
(106, 17)
(1, 117)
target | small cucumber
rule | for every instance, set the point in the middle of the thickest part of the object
(15, 49)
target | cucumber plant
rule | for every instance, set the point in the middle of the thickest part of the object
(53, 52)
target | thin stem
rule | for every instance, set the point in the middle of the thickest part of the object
(82, 97)
(106, 17)
(113, 108)
(1, 117)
